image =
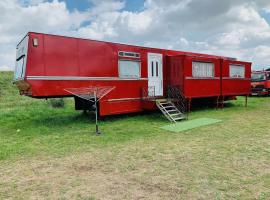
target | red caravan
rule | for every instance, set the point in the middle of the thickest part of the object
(48, 64)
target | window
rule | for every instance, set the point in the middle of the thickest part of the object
(202, 69)
(258, 77)
(152, 65)
(268, 76)
(157, 69)
(237, 71)
(19, 68)
(129, 69)
(129, 54)
(35, 42)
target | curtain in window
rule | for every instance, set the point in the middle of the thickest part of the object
(129, 69)
(202, 69)
(237, 71)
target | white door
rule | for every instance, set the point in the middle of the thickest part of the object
(155, 74)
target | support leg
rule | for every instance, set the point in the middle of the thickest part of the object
(246, 101)
(217, 103)
(96, 109)
(222, 102)
(189, 104)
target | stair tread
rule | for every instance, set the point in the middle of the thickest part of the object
(161, 100)
(168, 106)
(169, 110)
(165, 103)
(183, 117)
(173, 111)
(176, 114)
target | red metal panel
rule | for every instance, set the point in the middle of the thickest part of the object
(118, 107)
(35, 58)
(60, 56)
(235, 86)
(97, 59)
(123, 88)
(176, 71)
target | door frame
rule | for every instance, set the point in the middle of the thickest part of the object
(159, 58)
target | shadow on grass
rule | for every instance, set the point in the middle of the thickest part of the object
(153, 116)
(208, 105)
(81, 119)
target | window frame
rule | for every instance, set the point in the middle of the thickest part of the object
(20, 63)
(238, 65)
(129, 77)
(208, 77)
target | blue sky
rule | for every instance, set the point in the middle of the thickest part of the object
(233, 28)
(83, 5)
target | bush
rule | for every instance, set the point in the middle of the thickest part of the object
(57, 102)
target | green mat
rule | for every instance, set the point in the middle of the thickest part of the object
(190, 124)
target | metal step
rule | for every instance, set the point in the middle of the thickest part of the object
(172, 111)
(169, 110)
(168, 107)
(179, 118)
(176, 114)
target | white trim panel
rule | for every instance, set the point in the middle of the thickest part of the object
(231, 78)
(124, 99)
(202, 78)
(82, 78)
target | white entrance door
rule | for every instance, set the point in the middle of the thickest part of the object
(155, 74)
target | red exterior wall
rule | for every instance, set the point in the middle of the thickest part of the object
(194, 87)
(235, 86)
(201, 87)
(176, 71)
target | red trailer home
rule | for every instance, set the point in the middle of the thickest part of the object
(46, 65)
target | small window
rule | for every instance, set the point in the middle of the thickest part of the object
(129, 69)
(156, 69)
(19, 68)
(237, 71)
(129, 54)
(152, 72)
(35, 42)
(202, 69)
(268, 76)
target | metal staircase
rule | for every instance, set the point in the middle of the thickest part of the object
(174, 107)
(170, 111)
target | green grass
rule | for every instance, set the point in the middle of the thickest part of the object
(133, 157)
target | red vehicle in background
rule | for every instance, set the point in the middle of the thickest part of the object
(260, 83)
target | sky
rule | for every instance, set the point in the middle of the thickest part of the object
(233, 28)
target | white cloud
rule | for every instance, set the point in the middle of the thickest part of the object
(17, 18)
(232, 28)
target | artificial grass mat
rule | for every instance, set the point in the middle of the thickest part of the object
(190, 124)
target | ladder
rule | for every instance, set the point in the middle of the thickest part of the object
(170, 111)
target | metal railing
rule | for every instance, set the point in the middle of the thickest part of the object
(148, 92)
(177, 97)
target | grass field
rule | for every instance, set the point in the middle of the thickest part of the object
(49, 153)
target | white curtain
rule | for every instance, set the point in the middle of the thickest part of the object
(237, 71)
(202, 69)
(129, 69)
